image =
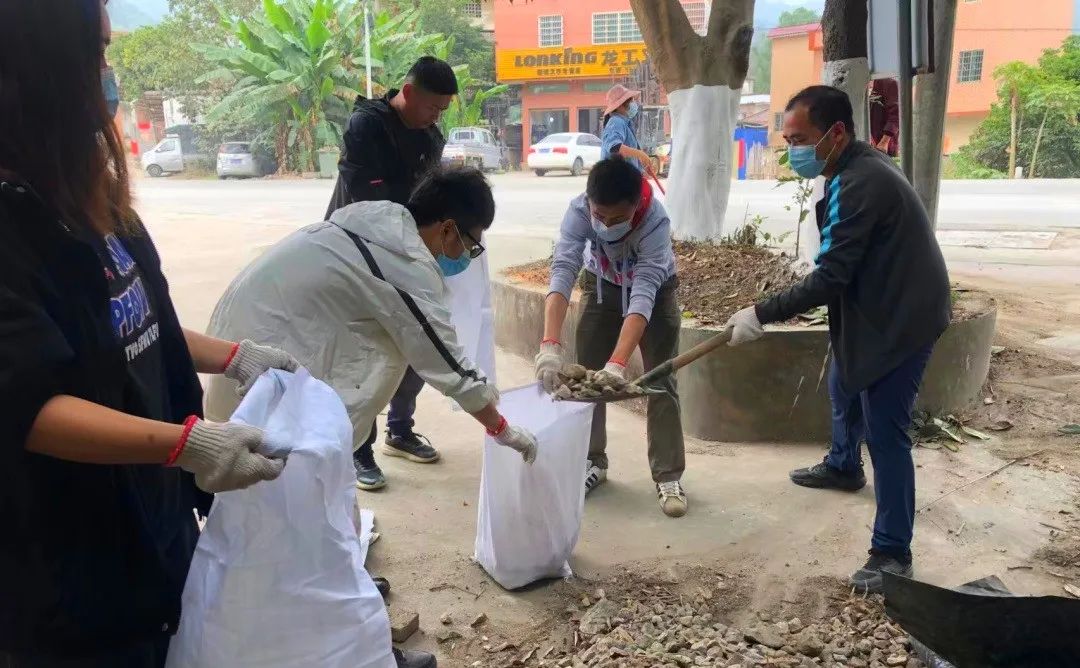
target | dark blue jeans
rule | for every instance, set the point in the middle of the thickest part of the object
(402, 408)
(881, 414)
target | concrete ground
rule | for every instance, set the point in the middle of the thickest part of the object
(1020, 238)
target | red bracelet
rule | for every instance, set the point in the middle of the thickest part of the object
(498, 430)
(189, 424)
(232, 354)
(616, 362)
(555, 341)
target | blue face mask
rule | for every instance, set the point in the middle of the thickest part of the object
(804, 160)
(111, 89)
(611, 234)
(450, 266)
(634, 109)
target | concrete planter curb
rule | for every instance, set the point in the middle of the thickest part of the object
(775, 389)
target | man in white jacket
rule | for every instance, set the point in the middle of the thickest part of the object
(359, 298)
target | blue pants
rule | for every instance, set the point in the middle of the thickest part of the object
(882, 415)
(402, 407)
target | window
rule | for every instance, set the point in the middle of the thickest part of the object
(473, 9)
(464, 136)
(970, 66)
(590, 119)
(545, 122)
(541, 89)
(550, 30)
(615, 28)
(698, 13)
(167, 146)
(778, 121)
(597, 86)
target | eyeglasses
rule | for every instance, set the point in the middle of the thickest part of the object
(475, 251)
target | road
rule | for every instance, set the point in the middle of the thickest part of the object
(1017, 237)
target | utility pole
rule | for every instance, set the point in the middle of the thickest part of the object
(906, 76)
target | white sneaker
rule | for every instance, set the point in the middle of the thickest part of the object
(594, 476)
(672, 498)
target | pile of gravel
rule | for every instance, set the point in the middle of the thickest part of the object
(655, 629)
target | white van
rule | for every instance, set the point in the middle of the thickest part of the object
(166, 157)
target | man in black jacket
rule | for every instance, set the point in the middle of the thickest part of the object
(882, 275)
(390, 143)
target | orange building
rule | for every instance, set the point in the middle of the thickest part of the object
(989, 33)
(565, 54)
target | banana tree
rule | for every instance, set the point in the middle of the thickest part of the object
(467, 109)
(396, 44)
(295, 61)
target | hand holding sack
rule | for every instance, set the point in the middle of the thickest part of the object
(224, 457)
(516, 439)
(549, 362)
(745, 327)
(250, 360)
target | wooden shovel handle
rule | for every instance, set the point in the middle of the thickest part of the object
(697, 352)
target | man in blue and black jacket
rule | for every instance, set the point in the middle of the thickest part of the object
(881, 273)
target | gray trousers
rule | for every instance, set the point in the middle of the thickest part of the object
(597, 334)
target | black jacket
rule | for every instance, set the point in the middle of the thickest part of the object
(880, 270)
(92, 556)
(383, 160)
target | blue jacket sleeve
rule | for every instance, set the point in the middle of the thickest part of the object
(849, 225)
(616, 133)
(569, 249)
(654, 257)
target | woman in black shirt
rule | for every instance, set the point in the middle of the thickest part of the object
(102, 443)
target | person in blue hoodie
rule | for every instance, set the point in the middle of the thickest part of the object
(622, 236)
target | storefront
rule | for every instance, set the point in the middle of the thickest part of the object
(563, 89)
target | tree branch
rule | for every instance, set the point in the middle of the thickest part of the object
(726, 56)
(674, 47)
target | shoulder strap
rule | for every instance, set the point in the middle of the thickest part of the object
(414, 308)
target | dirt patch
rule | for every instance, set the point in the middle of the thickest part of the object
(715, 280)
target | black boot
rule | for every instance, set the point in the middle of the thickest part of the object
(823, 476)
(413, 659)
(868, 579)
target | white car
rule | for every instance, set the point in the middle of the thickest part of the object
(575, 151)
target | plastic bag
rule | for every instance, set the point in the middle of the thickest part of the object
(530, 515)
(277, 579)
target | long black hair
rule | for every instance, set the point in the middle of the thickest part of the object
(56, 132)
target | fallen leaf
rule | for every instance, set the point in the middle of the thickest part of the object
(1073, 590)
(997, 350)
(944, 427)
(976, 434)
(951, 446)
(1070, 429)
(929, 445)
(1001, 425)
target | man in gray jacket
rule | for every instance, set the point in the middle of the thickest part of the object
(623, 237)
(881, 273)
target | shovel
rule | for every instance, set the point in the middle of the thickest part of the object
(645, 382)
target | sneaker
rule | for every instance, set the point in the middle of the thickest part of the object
(412, 659)
(823, 476)
(672, 498)
(369, 477)
(868, 579)
(594, 476)
(414, 447)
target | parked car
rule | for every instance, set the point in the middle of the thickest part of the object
(165, 158)
(475, 147)
(236, 159)
(575, 151)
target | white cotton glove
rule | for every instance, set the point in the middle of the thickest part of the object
(224, 456)
(518, 439)
(615, 371)
(251, 360)
(549, 362)
(745, 327)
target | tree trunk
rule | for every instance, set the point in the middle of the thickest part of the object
(703, 77)
(1013, 107)
(846, 66)
(281, 153)
(931, 95)
(1038, 140)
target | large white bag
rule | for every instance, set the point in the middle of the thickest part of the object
(530, 515)
(277, 580)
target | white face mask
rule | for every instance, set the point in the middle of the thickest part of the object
(611, 234)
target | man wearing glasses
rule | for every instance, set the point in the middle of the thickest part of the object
(390, 143)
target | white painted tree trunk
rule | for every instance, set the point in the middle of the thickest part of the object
(852, 75)
(702, 124)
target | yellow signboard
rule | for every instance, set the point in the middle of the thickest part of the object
(571, 62)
